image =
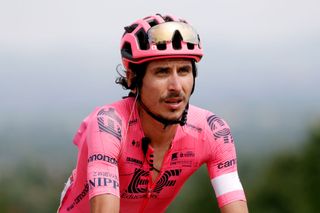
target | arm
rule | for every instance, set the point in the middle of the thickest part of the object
(105, 203)
(235, 207)
(103, 140)
(222, 167)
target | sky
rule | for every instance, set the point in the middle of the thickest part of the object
(261, 58)
(42, 23)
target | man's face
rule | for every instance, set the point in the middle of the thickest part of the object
(166, 87)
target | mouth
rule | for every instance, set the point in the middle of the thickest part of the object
(174, 103)
(173, 100)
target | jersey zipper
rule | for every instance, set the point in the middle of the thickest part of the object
(151, 184)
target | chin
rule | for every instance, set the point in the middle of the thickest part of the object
(175, 115)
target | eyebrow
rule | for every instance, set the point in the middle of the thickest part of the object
(166, 67)
(186, 67)
(163, 68)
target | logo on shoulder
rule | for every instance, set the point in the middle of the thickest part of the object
(109, 122)
(219, 128)
(111, 113)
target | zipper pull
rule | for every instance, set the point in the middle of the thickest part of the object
(149, 193)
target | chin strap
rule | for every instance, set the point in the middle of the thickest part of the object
(166, 122)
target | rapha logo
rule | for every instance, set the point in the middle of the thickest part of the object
(135, 143)
(174, 156)
(182, 154)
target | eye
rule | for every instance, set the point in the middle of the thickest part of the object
(185, 70)
(162, 71)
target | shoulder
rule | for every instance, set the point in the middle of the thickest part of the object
(109, 118)
(197, 120)
(211, 123)
(113, 115)
(199, 116)
(116, 111)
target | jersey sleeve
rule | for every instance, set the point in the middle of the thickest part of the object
(222, 164)
(104, 138)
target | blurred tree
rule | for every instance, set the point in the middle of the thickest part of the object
(30, 188)
(196, 195)
(290, 184)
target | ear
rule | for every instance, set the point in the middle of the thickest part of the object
(130, 77)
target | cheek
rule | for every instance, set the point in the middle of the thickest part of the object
(150, 91)
(148, 88)
(152, 85)
(189, 85)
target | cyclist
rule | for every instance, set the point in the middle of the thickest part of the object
(135, 154)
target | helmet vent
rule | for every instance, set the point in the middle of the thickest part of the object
(152, 22)
(131, 28)
(176, 40)
(167, 19)
(162, 46)
(126, 50)
(142, 39)
(190, 46)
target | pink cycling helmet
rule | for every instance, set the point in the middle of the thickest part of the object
(157, 37)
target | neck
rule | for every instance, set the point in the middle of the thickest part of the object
(153, 129)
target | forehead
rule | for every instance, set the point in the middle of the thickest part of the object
(172, 62)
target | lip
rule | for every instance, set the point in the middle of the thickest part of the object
(174, 103)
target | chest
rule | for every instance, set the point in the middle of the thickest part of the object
(138, 175)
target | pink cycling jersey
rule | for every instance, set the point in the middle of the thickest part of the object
(111, 160)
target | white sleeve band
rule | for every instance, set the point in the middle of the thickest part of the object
(226, 183)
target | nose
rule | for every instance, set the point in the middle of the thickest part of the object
(174, 82)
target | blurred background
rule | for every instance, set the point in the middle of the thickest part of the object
(260, 72)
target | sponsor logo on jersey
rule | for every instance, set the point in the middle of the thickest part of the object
(101, 157)
(133, 160)
(103, 182)
(111, 113)
(139, 181)
(165, 181)
(194, 128)
(182, 154)
(227, 163)
(182, 158)
(104, 174)
(137, 187)
(182, 163)
(79, 198)
(109, 122)
(187, 154)
(219, 129)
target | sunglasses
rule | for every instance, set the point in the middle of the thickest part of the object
(165, 32)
